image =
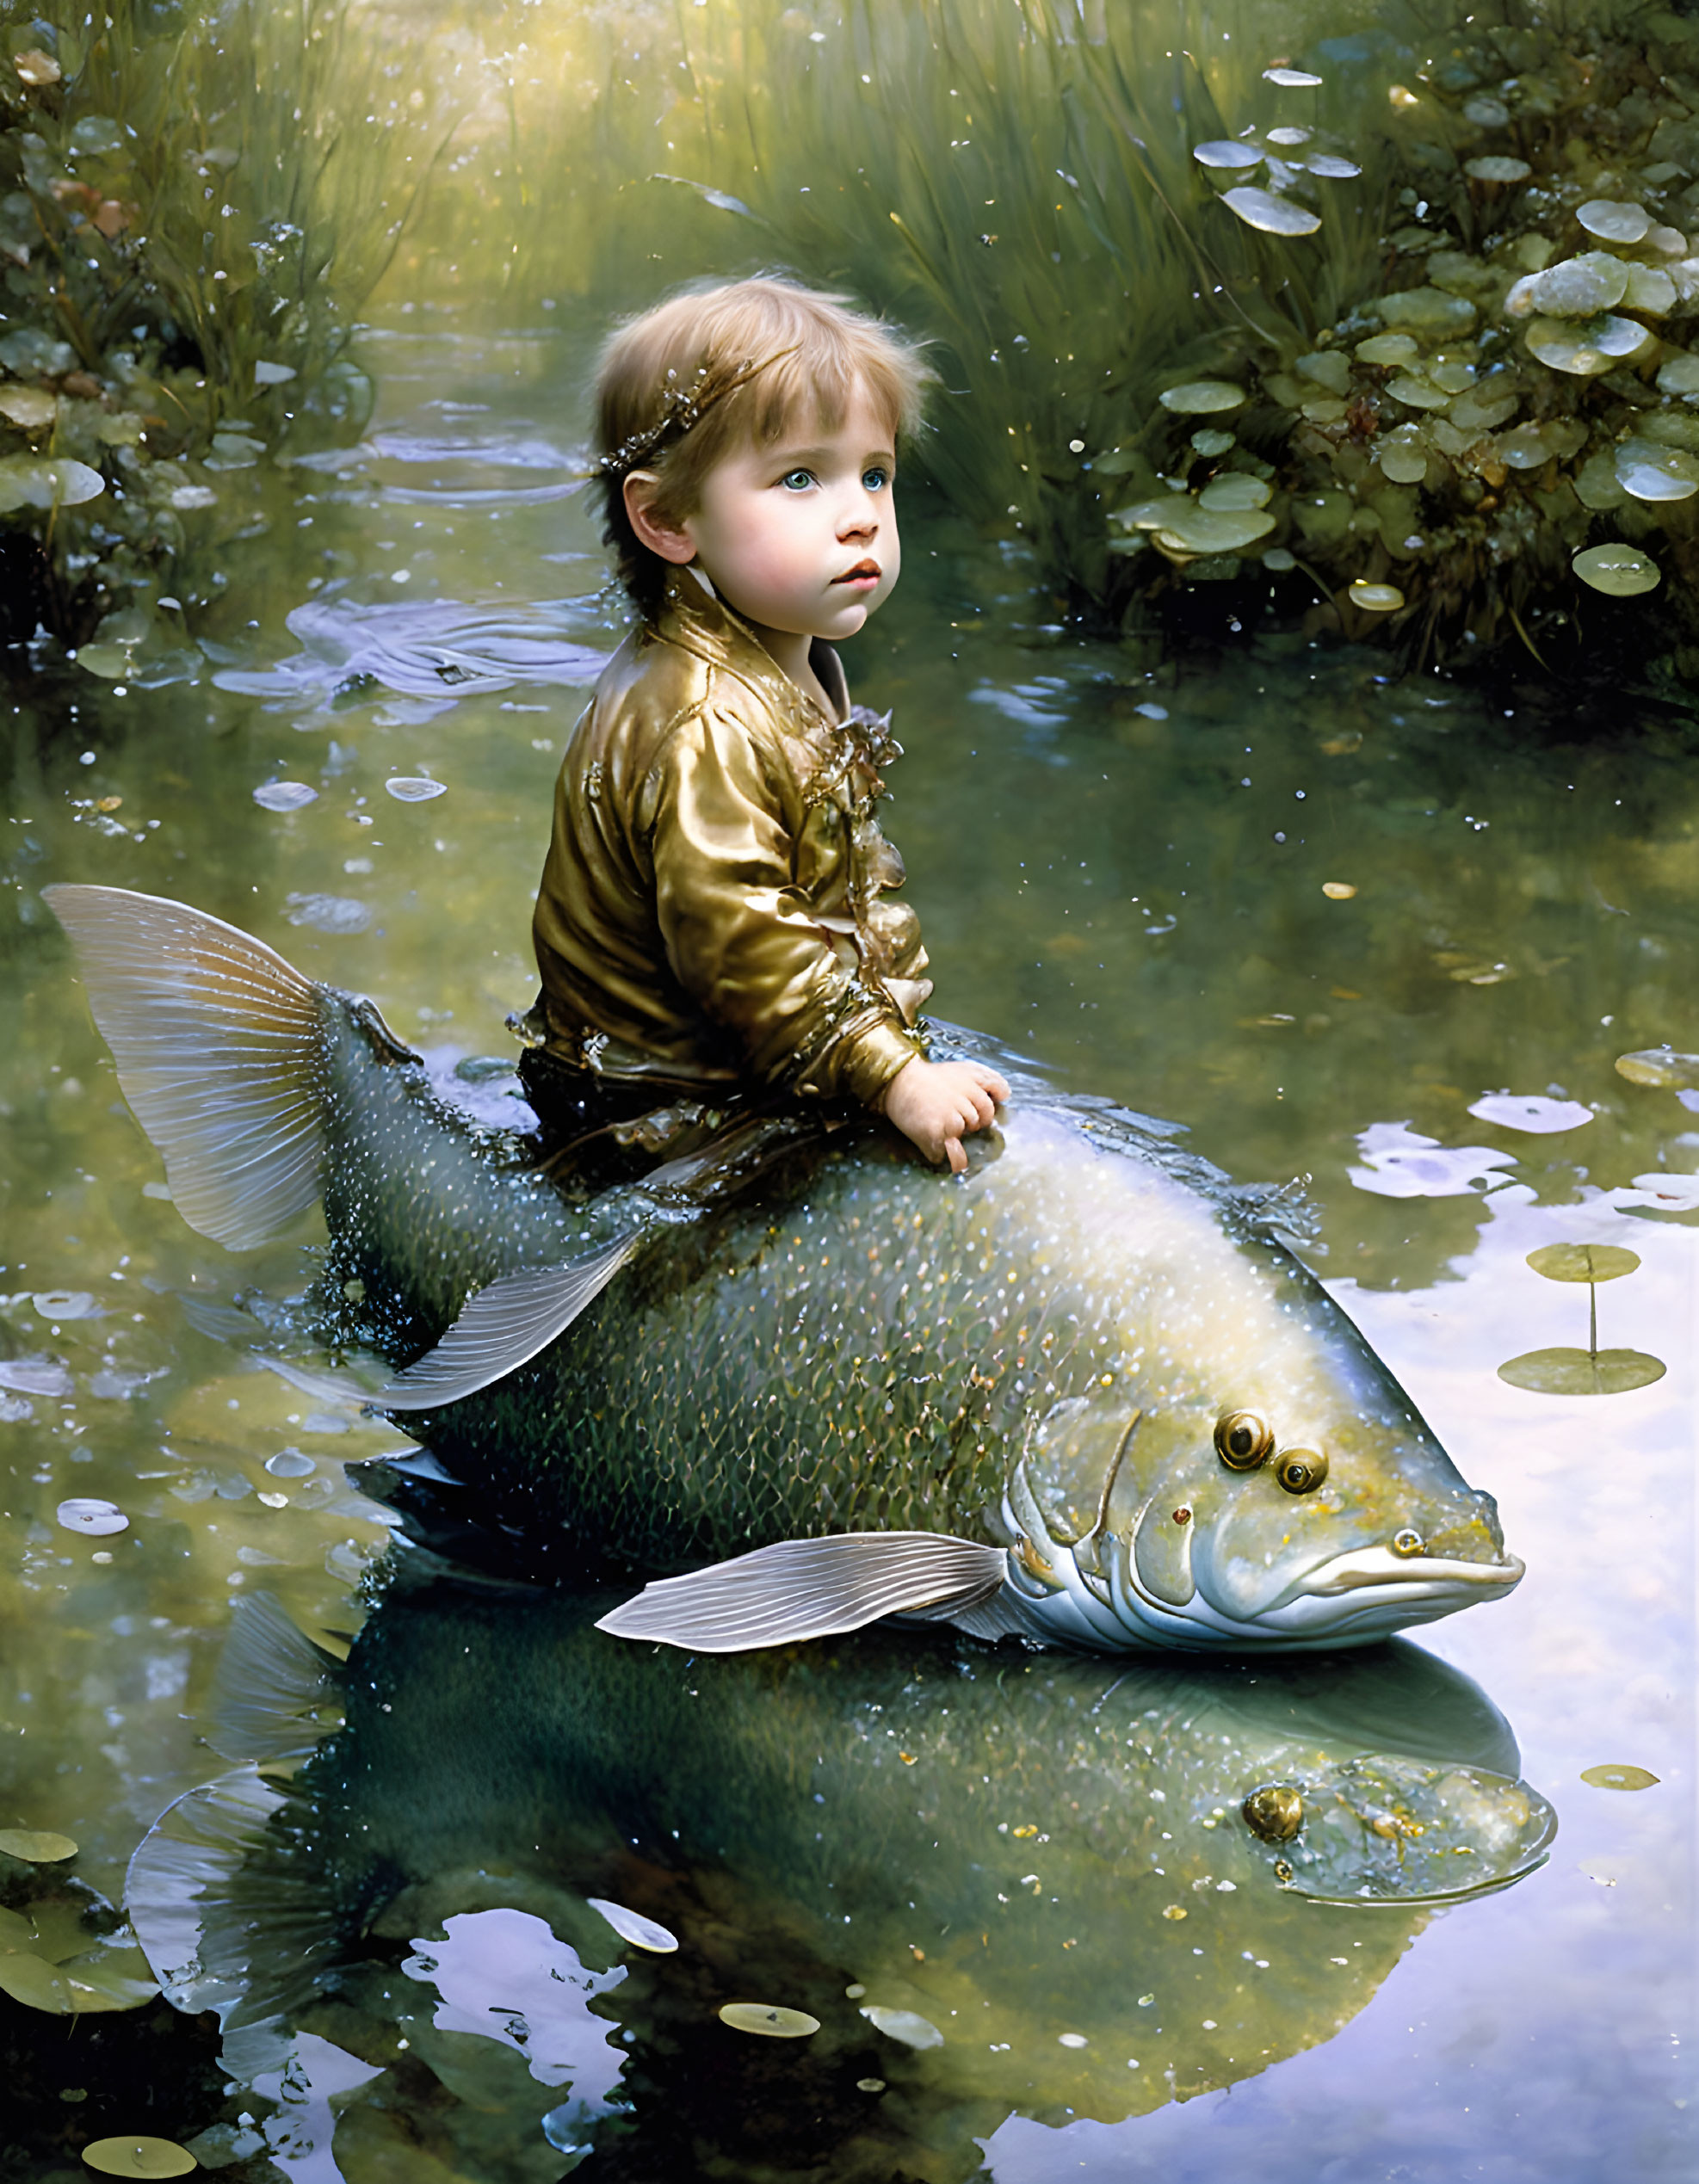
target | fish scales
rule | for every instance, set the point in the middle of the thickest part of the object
(1076, 1392)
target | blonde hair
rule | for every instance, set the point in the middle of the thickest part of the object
(787, 351)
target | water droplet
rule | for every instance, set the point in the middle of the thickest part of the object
(1337, 891)
(1072, 2039)
(414, 788)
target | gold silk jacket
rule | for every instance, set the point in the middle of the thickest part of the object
(710, 913)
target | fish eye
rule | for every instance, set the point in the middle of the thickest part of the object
(1301, 1470)
(1243, 1440)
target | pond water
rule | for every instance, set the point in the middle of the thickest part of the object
(1317, 913)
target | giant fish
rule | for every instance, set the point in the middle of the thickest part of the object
(545, 1861)
(1081, 1392)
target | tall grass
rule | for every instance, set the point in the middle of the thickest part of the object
(197, 199)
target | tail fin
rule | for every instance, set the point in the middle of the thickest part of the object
(220, 1045)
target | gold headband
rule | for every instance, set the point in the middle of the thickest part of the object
(681, 409)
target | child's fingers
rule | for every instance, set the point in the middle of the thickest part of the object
(996, 1085)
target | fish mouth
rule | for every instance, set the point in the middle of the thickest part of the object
(1362, 1567)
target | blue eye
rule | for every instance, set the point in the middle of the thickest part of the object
(875, 477)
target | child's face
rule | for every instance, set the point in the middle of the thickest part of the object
(800, 535)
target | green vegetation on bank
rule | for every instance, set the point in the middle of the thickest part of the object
(193, 199)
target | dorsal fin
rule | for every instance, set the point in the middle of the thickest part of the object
(220, 1045)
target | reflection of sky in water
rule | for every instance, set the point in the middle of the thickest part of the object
(1536, 2036)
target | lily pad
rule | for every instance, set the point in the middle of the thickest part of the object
(1195, 529)
(1523, 449)
(1657, 1065)
(1403, 461)
(1592, 346)
(1272, 215)
(1533, 1112)
(31, 481)
(98, 1520)
(1486, 112)
(1226, 152)
(1290, 136)
(1235, 489)
(1331, 168)
(36, 1846)
(131, 2156)
(1648, 472)
(907, 2026)
(1387, 348)
(1613, 220)
(1624, 572)
(633, 1927)
(1417, 394)
(1198, 398)
(1292, 79)
(1210, 443)
(1427, 310)
(1580, 1372)
(1578, 288)
(1583, 1261)
(1375, 599)
(1494, 167)
(768, 2021)
(1650, 289)
(1616, 1776)
(29, 407)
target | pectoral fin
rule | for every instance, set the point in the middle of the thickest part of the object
(504, 1327)
(804, 1589)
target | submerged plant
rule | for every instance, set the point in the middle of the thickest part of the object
(191, 203)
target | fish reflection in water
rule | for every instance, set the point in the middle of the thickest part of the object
(998, 1882)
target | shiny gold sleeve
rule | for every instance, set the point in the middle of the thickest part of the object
(741, 937)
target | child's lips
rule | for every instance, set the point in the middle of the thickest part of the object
(864, 575)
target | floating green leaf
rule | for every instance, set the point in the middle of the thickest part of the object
(1579, 1372)
(1197, 397)
(1272, 215)
(905, 2024)
(1583, 1261)
(633, 1927)
(1234, 489)
(1619, 1777)
(768, 2021)
(36, 1846)
(131, 2156)
(1622, 571)
(1651, 472)
(1375, 599)
(1226, 152)
(1495, 167)
(1614, 221)
(1660, 1066)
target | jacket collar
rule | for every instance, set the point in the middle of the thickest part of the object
(698, 621)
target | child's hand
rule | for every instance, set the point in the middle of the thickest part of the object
(937, 1104)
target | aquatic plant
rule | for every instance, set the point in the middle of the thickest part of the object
(191, 203)
(1444, 408)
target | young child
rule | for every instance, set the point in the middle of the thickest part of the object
(712, 928)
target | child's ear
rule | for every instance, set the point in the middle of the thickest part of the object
(658, 532)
